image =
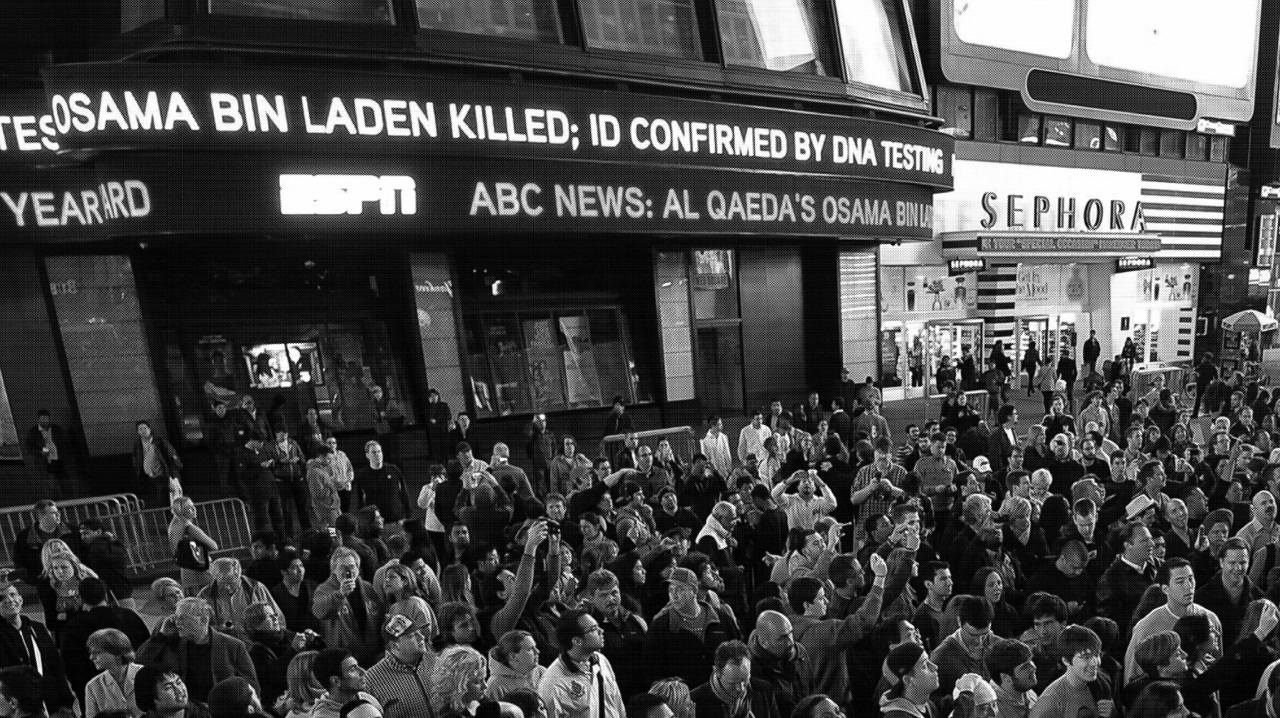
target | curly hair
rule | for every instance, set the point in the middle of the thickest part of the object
(454, 666)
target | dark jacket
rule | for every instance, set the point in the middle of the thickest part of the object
(788, 677)
(764, 702)
(1120, 591)
(169, 460)
(1213, 596)
(28, 543)
(35, 444)
(75, 636)
(624, 647)
(385, 488)
(110, 560)
(228, 657)
(1256, 708)
(671, 651)
(13, 652)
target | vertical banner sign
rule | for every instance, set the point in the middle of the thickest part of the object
(1034, 282)
(580, 362)
(1266, 240)
(437, 330)
(546, 365)
(10, 447)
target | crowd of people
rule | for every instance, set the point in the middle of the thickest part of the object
(1121, 560)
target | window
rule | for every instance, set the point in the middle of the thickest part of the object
(522, 19)
(1113, 138)
(1218, 149)
(1057, 132)
(368, 12)
(1197, 146)
(1088, 136)
(1141, 141)
(875, 47)
(654, 27)
(1028, 128)
(783, 35)
(1171, 143)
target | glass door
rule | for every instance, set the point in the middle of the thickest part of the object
(718, 366)
(1031, 330)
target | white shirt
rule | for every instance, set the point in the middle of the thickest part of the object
(751, 441)
(716, 448)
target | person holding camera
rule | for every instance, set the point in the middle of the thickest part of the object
(349, 609)
(877, 485)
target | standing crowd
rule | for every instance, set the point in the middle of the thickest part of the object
(1109, 560)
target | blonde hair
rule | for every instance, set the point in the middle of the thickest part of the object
(54, 549)
(303, 689)
(675, 693)
(449, 680)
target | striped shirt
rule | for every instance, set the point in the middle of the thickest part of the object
(403, 690)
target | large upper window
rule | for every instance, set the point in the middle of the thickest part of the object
(785, 35)
(370, 12)
(1040, 27)
(522, 19)
(874, 40)
(653, 27)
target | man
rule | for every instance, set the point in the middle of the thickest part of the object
(1123, 583)
(1262, 529)
(651, 477)
(30, 540)
(813, 414)
(840, 424)
(671, 514)
(1229, 594)
(401, 681)
(618, 421)
(24, 642)
(344, 683)
(186, 645)
(348, 608)
(828, 640)
(916, 680)
(778, 661)
(235, 698)
(937, 472)
(877, 485)
(323, 500)
(626, 457)
(731, 692)
(162, 693)
(1063, 466)
(1083, 690)
(965, 650)
(928, 617)
(751, 438)
(1216, 529)
(562, 466)
(1206, 372)
(155, 463)
(580, 683)
(1092, 350)
(1178, 583)
(47, 442)
(1068, 372)
(461, 431)
(382, 484)
(512, 479)
(1014, 674)
(715, 446)
(289, 470)
(230, 594)
(1049, 614)
(220, 437)
(683, 637)
(97, 614)
(1004, 440)
(812, 499)
(624, 631)
(541, 452)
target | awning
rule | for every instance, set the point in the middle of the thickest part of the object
(1249, 321)
(1079, 247)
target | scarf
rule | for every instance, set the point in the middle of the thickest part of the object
(716, 531)
(739, 707)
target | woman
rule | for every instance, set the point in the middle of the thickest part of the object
(458, 682)
(303, 689)
(272, 648)
(1035, 454)
(1045, 381)
(294, 593)
(112, 689)
(989, 584)
(819, 440)
(1022, 539)
(1182, 439)
(629, 568)
(807, 555)
(665, 458)
(1094, 411)
(1058, 421)
(1160, 699)
(183, 528)
(455, 585)
(459, 626)
(772, 463)
(60, 591)
(513, 665)
(402, 594)
(369, 526)
(675, 693)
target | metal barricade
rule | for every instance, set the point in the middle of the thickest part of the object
(145, 533)
(684, 443)
(15, 518)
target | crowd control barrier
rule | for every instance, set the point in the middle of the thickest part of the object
(683, 442)
(145, 534)
(15, 518)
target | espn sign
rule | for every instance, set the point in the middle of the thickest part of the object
(347, 194)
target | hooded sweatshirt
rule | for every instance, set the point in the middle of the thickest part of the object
(326, 707)
(902, 708)
(504, 680)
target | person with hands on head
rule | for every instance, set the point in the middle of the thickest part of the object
(809, 554)
(811, 501)
(828, 640)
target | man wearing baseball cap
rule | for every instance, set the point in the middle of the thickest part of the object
(400, 680)
(683, 637)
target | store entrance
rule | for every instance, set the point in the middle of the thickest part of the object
(912, 352)
(1051, 334)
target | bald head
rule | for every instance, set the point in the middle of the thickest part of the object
(773, 633)
(1264, 506)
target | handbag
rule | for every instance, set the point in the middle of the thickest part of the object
(191, 554)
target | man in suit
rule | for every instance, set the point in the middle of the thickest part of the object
(1068, 372)
(48, 444)
(1004, 438)
(187, 646)
(24, 642)
(840, 422)
(1092, 350)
